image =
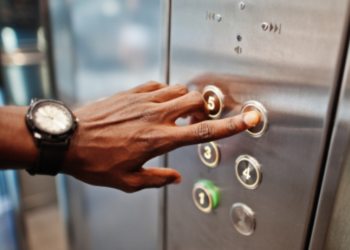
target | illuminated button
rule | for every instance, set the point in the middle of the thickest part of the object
(215, 100)
(209, 154)
(248, 171)
(205, 196)
(261, 128)
(243, 218)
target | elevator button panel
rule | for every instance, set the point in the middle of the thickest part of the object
(248, 171)
(205, 196)
(260, 129)
(209, 154)
(243, 218)
(262, 56)
(215, 100)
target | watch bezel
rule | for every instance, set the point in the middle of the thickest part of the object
(42, 135)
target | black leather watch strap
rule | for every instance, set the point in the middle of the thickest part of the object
(51, 156)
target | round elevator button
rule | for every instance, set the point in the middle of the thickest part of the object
(260, 129)
(243, 218)
(209, 154)
(248, 171)
(215, 100)
(205, 196)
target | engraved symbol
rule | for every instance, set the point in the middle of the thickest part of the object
(265, 26)
(241, 5)
(242, 218)
(211, 103)
(207, 153)
(213, 17)
(246, 173)
(201, 198)
(210, 16)
(218, 17)
(238, 50)
(275, 28)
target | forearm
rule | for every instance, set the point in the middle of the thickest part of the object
(17, 148)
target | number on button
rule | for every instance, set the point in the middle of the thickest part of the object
(211, 103)
(246, 173)
(207, 153)
(201, 198)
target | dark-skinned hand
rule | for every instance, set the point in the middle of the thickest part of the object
(116, 136)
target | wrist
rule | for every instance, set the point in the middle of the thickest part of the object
(72, 158)
(17, 147)
(52, 125)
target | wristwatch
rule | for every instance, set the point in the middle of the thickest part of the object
(52, 125)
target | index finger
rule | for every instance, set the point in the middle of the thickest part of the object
(217, 129)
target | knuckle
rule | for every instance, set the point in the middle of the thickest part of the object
(147, 113)
(197, 100)
(231, 125)
(154, 84)
(131, 99)
(161, 183)
(132, 184)
(151, 83)
(150, 139)
(196, 97)
(181, 88)
(234, 124)
(203, 131)
(174, 107)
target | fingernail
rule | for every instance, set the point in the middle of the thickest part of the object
(251, 118)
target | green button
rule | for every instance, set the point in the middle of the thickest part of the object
(206, 196)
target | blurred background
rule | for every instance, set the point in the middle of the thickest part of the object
(77, 51)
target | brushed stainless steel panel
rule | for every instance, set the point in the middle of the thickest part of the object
(331, 230)
(294, 74)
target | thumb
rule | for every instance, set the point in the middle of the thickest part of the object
(156, 177)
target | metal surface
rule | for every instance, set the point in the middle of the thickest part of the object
(243, 218)
(248, 171)
(293, 69)
(331, 229)
(205, 196)
(215, 99)
(164, 77)
(260, 129)
(209, 153)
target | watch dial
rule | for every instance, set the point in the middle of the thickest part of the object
(52, 118)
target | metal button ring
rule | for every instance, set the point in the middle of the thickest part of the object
(209, 154)
(205, 196)
(243, 218)
(215, 100)
(248, 171)
(260, 129)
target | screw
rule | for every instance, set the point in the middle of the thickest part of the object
(265, 26)
(218, 17)
(241, 5)
(239, 37)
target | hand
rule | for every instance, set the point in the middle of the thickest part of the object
(116, 136)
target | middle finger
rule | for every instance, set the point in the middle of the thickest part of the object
(190, 104)
(168, 93)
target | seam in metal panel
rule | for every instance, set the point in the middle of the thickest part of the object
(166, 17)
(330, 122)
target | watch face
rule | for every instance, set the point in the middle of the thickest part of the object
(52, 118)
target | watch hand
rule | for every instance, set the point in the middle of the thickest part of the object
(60, 124)
(42, 111)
